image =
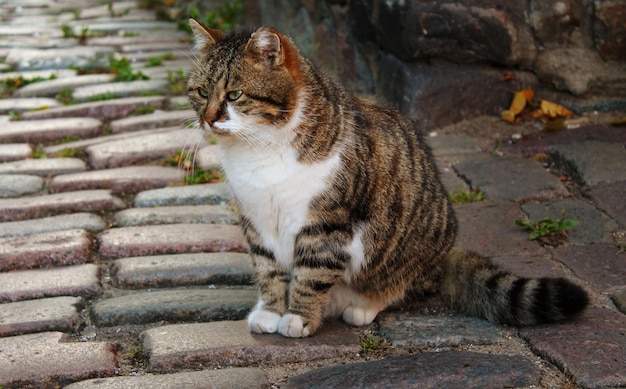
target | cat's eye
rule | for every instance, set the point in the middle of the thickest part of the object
(234, 95)
(204, 94)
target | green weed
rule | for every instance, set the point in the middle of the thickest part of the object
(467, 196)
(176, 82)
(201, 176)
(39, 153)
(370, 342)
(123, 70)
(158, 60)
(11, 84)
(144, 110)
(103, 97)
(65, 96)
(548, 229)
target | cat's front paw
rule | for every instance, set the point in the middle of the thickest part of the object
(293, 326)
(261, 321)
(359, 316)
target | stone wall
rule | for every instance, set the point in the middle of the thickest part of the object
(443, 61)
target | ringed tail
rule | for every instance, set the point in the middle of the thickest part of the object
(473, 285)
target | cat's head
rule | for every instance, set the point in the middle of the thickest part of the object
(243, 83)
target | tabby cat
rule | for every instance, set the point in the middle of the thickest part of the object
(340, 200)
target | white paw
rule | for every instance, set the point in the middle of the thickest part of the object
(292, 326)
(263, 322)
(359, 316)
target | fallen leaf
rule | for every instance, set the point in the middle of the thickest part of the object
(540, 157)
(508, 116)
(554, 110)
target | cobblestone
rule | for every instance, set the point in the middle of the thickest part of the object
(230, 343)
(44, 166)
(73, 221)
(40, 206)
(18, 105)
(574, 347)
(429, 370)
(45, 250)
(170, 239)
(187, 195)
(129, 179)
(153, 120)
(182, 214)
(183, 270)
(430, 331)
(16, 185)
(51, 314)
(34, 359)
(233, 378)
(38, 131)
(80, 280)
(14, 151)
(175, 305)
(101, 110)
(137, 150)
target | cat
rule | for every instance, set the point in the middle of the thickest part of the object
(340, 200)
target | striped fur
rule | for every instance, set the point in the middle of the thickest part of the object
(340, 200)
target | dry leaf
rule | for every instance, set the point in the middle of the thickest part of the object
(518, 104)
(508, 116)
(554, 110)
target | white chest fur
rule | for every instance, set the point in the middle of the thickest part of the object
(274, 191)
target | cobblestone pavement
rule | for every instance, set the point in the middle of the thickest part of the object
(113, 275)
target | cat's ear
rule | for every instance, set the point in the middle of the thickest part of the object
(265, 44)
(204, 37)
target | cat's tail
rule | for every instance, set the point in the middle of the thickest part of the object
(473, 285)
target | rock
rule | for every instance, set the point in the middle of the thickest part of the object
(233, 378)
(175, 305)
(170, 239)
(53, 87)
(510, 178)
(73, 221)
(594, 225)
(183, 270)
(16, 185)
(446, 369)
(80, 280)
(14, 151)
(187, 214)
(18, 105)
(581, 71)
(50, 314)
(443, 93)
(129, 179)
(463, 32)
(44, 167)
(554, 23)
(185, 195)
(56, 360)
(41, 131)
(609, 31)
(432, 331)
(230, 343)
(599, 264)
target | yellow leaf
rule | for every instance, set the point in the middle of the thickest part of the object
(553, 110)
(518, 103)
(508, 116)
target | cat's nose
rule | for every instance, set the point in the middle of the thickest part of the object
(210, 120)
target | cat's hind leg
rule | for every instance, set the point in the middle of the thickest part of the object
(354, 308)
